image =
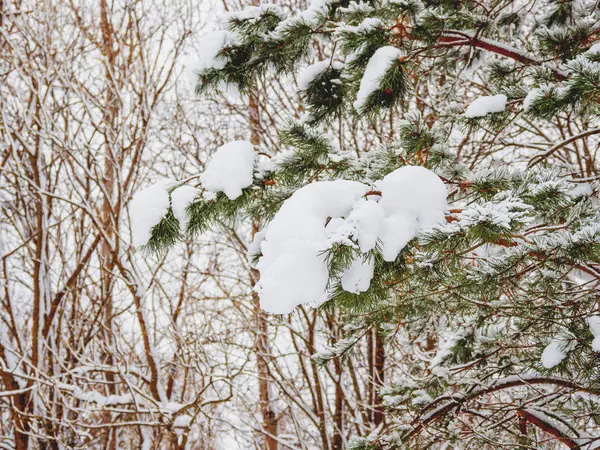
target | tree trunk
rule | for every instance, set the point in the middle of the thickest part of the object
(338, 413)
(262, 353)
(378, 378)
(107, 217)
(262, 344)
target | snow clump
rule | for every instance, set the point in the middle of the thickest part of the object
(230, 170)
(308, 75)
(555, 352)
(381, 61)
(594, 324)
(293, 265)
(485, 105)
(147, 208)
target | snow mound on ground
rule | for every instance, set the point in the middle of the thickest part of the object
(147, 208)
(378, 65)
(485, 105)
(293, 266)
(230, 169)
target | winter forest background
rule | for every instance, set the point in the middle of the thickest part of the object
(438, 243)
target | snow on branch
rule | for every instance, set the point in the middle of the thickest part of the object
(485, 105)
(551, 426)
(442, 405)
(379, 64)
(293, 266)
(230, 170)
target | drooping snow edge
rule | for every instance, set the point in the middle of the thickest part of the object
(485, 105)
(381, 61)
(230, 169)
(292, 264)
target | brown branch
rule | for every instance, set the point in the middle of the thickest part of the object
(499, 385)
(68, 285)
(133, 287)
(538, 158)
(457, 39)
(548, 428)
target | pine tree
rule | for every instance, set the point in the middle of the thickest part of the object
(496, 301)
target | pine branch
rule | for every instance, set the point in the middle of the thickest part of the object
(548, 427)
(458, 400)
(539, 158)
(460, 38)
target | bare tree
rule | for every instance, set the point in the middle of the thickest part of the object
(103, 346)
